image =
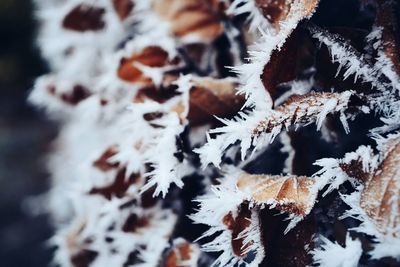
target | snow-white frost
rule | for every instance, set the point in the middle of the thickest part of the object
(225, 199)
(334, 175)
(332, 254)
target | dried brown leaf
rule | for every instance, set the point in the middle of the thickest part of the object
(380, 196)
(191, 18)
(134, 222)
(208, 98)
(151, 56)
(292, 194)
(119, 186)
(181, 252)
(212, 97)
(277, 11)
(287, 63)
(123, 8)
(290, 249)
(102, 162)
(84, 18)
(387, 19)
(237, 225)
(302, 110)
(72, 97)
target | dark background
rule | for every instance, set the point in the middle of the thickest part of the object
(24, 141)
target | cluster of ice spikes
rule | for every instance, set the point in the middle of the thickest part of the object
(222, 132)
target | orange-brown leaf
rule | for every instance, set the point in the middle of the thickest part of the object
(151, 56)
(182, 251)
(211, 97)
(278, 11)
(123, 8)
(84, 18)
(292, 194)
(191, 18)
(380, 196)
(387, 19)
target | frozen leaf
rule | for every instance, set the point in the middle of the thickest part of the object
(226, 209)
(212, 97)
(123, 8)
(151, 56)
(380, 196)
(287, 63)
(286, 249)
(103, 163)
(274, 11)
(352, 61)
(119, 186)
(355, 167)
(303, 110)
(291, 194)
(191, 20)
(85, 18)
(388, 22)
(261, 127)
(182, 254)
(277, 11)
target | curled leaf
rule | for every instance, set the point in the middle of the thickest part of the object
(303, 110)
(191, 19)
(291, 194)
(380, 196)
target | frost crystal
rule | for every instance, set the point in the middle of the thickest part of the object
(150, 93)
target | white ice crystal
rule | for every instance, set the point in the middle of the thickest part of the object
(259, 127)
(225, 199)
(358, 65)
(332, 254)
(256, 18)
(334, 175)
(125, 91)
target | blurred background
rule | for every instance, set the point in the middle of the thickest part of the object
(25, 139)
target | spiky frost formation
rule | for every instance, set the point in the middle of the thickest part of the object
(150, 93)
(332, 254)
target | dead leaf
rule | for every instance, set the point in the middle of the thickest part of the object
(102, 162)
(387, 19)
(123, 8)
(237, 225)
(134, 222)
(291, 194)
(84, 18)
(380, 196)
(76, 94)
(302, 110)
(274, 10)
(151, 56)
(213, 97)
(191, 18)
(290, 249)
(181, 252)
(286, 64)
(119, 186)
(208, 97)
(278, 11)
